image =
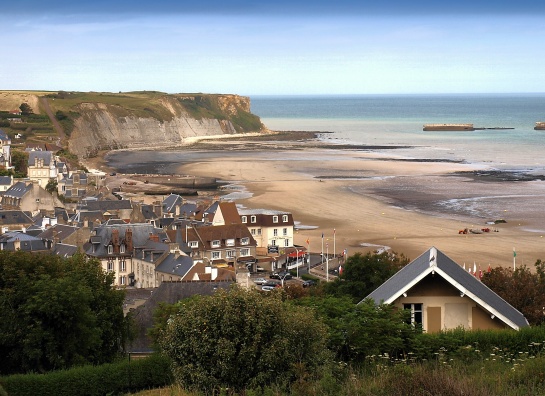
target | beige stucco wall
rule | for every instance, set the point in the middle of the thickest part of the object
(456, 311)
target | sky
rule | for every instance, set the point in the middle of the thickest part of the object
(276, 47)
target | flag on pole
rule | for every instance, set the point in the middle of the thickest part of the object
(308, 241)
(480, 272)
(514, 253)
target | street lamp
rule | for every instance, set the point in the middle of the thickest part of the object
(297, 261)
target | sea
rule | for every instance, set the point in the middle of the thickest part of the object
(399, 119)
(516, 154)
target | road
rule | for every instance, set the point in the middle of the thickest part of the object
(60, 132)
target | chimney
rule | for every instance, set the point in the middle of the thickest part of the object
(128, 239)
(85, 222)
(115, 240)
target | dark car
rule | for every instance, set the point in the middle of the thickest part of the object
(281, 275)
(309, 283)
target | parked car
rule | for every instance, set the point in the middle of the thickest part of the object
(260, 281)
(267, 288)
(271, 284)
(309, 283)
(281, 275)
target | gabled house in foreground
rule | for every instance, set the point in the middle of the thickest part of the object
(441, 295)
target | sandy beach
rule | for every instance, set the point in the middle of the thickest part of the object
(354, 192)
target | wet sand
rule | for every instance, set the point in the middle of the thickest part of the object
(373, 199)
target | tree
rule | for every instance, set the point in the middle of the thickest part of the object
(19, 160)
(25, 109)
(522, 289)
(363, 273)
(357, 331)
(242, 339)
(51, 186)
(57, 313)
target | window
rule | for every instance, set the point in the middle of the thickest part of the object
(285, 218)
(275, 232)
(286, 242)
(252, 231)
(110, 249)
(229, 242)
(244, 241)
(122, 280)
(122, 248)
(215, 243)
(230, 253)
(416, 313)
(284, 231)
(244, 252)
(275, 219)
(122, 266)
(273, 242)
(253, 219)
(194, 244)
(216, 255)
(259, 231)
(244, 219)
(110, 266)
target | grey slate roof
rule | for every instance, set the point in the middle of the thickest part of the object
(15, 217)
(28, 243)
(5, 180)
(18, 190)
(140, 236)
(59, 231)
(437, 262)
(47, 157)
(178, 266)
(64, 250)
(106, 205)
(170, 201)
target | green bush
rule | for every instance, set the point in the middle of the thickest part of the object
(238, 339)
(114, 378)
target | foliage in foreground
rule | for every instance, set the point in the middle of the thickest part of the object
(363, 273)
(57, 313)
(241, 339)
(107, 379)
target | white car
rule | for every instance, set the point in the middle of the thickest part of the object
(268, 288)
(260, 281)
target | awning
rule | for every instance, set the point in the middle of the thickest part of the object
(246, 259)
(297, 253)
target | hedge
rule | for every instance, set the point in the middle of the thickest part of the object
(113, 378)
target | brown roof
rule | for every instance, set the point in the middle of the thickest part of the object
(230, 213)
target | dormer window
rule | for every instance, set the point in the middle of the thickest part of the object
(244, 241)
(110, 249)
(244, 219)
(275, 219)
(194, 244)
(229, 242)
(216, 243)
(253, 219)
(285, 218)
(122, 248)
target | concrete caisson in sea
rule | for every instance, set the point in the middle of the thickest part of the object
(449, 127)
(540, 126)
